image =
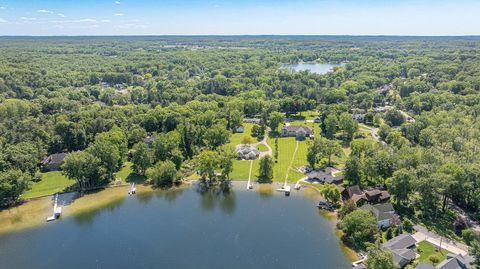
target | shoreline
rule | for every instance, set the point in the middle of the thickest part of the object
(32, 212)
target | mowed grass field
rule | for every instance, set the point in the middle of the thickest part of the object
(51, 183)
(286, 149)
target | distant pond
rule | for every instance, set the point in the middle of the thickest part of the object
(184, 229)
(317, 68)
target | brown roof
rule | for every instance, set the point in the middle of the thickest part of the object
(352, 190)
(373, 194)
(357, 197)
(385, 195)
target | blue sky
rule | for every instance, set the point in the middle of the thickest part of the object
(235, 17)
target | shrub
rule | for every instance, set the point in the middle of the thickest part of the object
(434, 259)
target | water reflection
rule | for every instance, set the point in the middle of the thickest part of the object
(221, 196)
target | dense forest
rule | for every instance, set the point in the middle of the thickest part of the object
(99, 98)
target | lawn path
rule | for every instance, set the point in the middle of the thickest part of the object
(291, 163)
(264, 142)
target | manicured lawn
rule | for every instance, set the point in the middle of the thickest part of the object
(286, 148)
(262, 148)
(241, 170)
(427, 250)
(126, 175)
(51, 183)
(236, 138)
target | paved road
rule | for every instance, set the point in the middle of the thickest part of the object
(452, 246)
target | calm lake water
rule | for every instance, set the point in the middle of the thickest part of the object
(312, 67)
(183, 229)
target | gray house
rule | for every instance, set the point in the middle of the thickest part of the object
(53, 162)
(452, 262)
(382, 212)
(325, 176)
(402, 248)
(300, 132)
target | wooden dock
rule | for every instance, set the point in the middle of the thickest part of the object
(133, 189)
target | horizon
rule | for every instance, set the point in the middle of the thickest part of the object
(422, 18)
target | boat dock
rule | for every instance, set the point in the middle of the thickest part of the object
(132, 190)
(286, 189)
(57, 211)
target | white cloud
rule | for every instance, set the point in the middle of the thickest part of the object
(28, 19)
(43, 11)
(87, 20)
(61, 15)
(107, 21)
(3, 20)
(3, 8)
(119, 14)
(117, 2)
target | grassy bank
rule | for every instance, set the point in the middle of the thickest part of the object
(50, 183)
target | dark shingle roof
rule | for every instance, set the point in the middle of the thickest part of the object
(56, 158)
(400, 242)
(453, 262)
(381, 211)
(422, 265)
(297, 128)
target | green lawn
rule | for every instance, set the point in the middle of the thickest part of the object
(262, 148)
(236, 138)
(51, 183)
(427, 250)
(241, 170)
(126, 175)
(286, 148)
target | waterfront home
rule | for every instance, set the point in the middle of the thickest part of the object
(53, 162)
(354, 193)
(325, 176)
(247, 152)
(377, 196)
(403, 249)
(300, 132)
(382, 212)
(240, 129)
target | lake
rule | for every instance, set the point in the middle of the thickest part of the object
(312, 67)
(184, 229)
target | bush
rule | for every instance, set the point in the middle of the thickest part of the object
(469, 235)
(407, 225)
(434, 259)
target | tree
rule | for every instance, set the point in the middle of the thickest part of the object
(163, 174)
(348, 207)
(378, 258)
(275, 119)
(394, 117)
(323, 148)
(353, 171)
(275, 153)
(330, 125)
(246, 140)
(236, 119)
(12, 184)
(85, 169)
(226, 155)
(331, 193)
(141, 158)
(474, 251)
(348, 125)
(207, 161)
(265, 170)
(360, 226)
(400, 185)
(258, 131)
(216, 136)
